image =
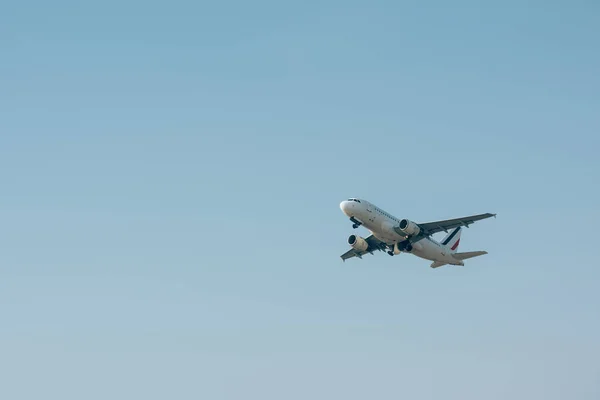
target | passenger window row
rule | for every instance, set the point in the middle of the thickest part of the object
(386, 214)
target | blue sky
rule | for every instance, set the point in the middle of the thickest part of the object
(171, 175)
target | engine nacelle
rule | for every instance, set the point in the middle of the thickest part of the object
(358, 243)
(409, 227)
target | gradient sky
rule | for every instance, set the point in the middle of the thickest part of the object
(171, 174)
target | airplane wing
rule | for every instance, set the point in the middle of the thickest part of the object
(429, 228)
(374, 244)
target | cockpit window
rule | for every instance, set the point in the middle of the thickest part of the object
(355, 200)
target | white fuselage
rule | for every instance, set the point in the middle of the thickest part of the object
(381, 224)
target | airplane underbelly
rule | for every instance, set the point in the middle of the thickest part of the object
(387, 232)
(382, 229)
(429, 251)
(383, 237)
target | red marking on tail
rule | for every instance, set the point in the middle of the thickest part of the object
(455, 245)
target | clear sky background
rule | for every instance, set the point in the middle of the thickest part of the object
(171, 174)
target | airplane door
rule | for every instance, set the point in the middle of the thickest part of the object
(371, 214)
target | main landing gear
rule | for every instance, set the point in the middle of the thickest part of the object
(402, 246)
(391, 250)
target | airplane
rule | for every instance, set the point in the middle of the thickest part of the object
(396, 236)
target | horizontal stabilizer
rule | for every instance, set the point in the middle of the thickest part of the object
(468, 254)
(437, 264)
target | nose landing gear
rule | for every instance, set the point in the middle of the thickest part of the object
(404, 246)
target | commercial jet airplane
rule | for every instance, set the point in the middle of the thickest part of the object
(396, 236)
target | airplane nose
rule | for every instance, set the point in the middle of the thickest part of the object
(345, 206)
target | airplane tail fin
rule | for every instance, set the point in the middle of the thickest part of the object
(452, 239)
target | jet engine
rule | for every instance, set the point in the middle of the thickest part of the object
(409, 227)
(358, 243)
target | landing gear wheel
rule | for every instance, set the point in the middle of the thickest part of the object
(390, 253)
(354, 226)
